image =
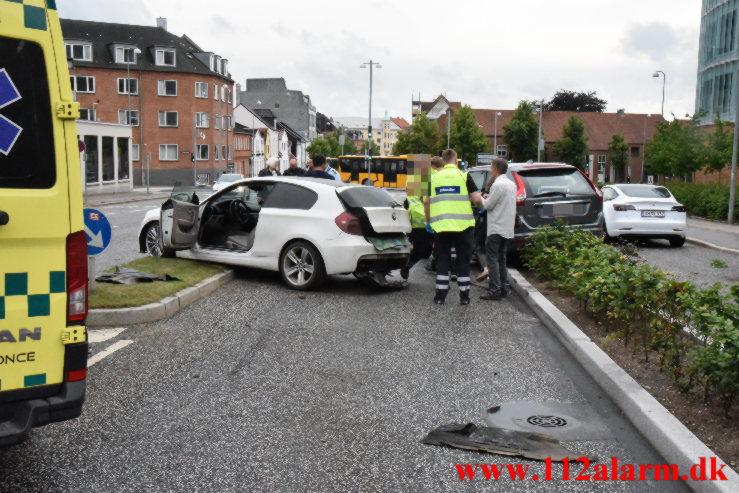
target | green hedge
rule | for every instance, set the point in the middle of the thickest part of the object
(704, 200)
(647, 308)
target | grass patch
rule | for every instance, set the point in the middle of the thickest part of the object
(718, 264)
(188, 272)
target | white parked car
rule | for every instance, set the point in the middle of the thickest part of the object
(644, 211)
(305, 228)
(226, 179)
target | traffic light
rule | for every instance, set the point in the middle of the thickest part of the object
(369, 131)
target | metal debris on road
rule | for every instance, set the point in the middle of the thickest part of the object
(125, 275)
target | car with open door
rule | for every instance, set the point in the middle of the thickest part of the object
(304, 228)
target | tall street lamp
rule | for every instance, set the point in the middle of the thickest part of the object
(664, 81)
(538, 141)
(370, 64)
(495, 132)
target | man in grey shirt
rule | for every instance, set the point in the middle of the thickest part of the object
(500, 205)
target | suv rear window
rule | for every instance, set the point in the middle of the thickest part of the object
(367, 197)
(548, 180)
(26, 134)
(645, 191)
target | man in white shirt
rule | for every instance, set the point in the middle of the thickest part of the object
(500, 205)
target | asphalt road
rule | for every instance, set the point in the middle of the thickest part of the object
(259, 388)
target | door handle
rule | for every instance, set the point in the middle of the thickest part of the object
(4, 218)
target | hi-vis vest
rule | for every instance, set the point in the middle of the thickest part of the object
(417, 212)
(451, 210)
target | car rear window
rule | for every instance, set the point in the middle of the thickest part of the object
(547, 180)
(229, 178)
(26, 133)
(367, 197)
(645, 192)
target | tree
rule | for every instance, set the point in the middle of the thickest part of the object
(618, 156)
(329, 146)
(564, 100)
(466, 136)
(422, 137)
(718, 146)
(374, 148)
(520, 134)
(676, 148)
(572, 147)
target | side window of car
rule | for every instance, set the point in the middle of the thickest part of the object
(289, 196)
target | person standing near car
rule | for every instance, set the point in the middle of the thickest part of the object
(319, 169)
(449, 212)
(421, 238)
(293, 170)
(500, 206)
(271, 169)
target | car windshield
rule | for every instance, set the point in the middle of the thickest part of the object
(645, 191)
(367, 197)
(555, 181)
(229, 178)
(184, 193)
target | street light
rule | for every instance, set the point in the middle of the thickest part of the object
(495, 133)
(664, 81)
(370, 64)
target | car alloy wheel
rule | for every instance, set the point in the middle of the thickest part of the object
(301, 266)
(153, 240)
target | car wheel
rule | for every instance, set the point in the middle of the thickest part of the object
(677, 242)
(153, 241)
(301, 266)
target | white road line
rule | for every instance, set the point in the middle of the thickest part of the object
(108, 351)
(101, 335)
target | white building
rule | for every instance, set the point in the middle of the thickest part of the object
(105, 162)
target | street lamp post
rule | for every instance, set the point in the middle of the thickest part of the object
(448, 127)
(538, 140)
(371, 64)
(495, 132)
(664, 81)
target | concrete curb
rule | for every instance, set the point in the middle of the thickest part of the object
(165, 308)
(677, 444)
(713, 246)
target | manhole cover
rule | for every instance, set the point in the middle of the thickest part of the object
(547, 421)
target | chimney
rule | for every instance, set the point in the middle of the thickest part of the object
(162, 22)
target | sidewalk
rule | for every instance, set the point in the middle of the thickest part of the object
(718, 233)
(137, 195)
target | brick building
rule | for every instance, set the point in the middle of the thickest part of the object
(177, 97)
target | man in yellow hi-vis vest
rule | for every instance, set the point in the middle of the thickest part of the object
(449, 211)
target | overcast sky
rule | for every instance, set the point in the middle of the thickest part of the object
(485, 53)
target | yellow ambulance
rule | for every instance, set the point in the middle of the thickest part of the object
(43, 249)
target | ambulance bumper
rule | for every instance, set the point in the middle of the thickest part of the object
(17, 418)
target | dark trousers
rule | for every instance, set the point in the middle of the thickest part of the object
(495, 250)
(422, 242)
(462, 242)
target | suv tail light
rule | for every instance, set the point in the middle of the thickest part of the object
(679, 208)
(76, 278)
(349, 223)
(623, 207)
(520, 189)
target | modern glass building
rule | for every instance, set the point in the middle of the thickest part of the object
(718, 60)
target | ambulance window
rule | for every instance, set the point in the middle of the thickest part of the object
(26, 134)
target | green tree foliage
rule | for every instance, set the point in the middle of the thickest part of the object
(422, 137)
(718, 146)
(329, 145)
(676, 148)
(520, 135)
(466, 136)
(618, 155)
(564, 100)
(572, 147)
(374, 148)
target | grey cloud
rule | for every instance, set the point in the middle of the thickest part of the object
(655, 40)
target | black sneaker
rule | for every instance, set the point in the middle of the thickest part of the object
(491, 297)
(464, 299)
(504, 292)
(439, 299)
(404, 272)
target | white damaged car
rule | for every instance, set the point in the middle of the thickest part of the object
(305, 228)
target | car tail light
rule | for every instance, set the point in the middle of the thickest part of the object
(598, 192)
(623, 207)
(520, 189)
(349, 223)
(76, 278)
(679, 208)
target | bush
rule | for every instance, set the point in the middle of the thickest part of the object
(647, 308)
(704, 200)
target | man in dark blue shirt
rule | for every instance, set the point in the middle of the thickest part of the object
(319, 169)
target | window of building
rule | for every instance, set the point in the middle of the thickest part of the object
(217, 122)
(223, 152)
(87, 114)
(230, 152)
(128, 117)
(634, 151)
(79, 51)
(727, 33)
(125, 54)
(215, 92)
(165, 57)
(128, 86)
(82, 83)
(108, 159)
(216, 154)
(168, 152)
(601, 163)
(502, 150)
(201, 152)
(223, 93)
(167, 118)
(722, 93)
(135, 152)
(124, 165)
(167, 87)
(201, 120)
(201, 89)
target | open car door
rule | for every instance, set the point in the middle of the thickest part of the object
(179, 219)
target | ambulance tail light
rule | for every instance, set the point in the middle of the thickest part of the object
(76, 375)
(76, 278)
(520, 189)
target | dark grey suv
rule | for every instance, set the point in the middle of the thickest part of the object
(546, 193)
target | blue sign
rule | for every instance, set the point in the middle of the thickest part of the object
(97, 229)
(9, 131)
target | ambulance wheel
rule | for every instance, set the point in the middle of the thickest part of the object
(368, 182)
(153, 241)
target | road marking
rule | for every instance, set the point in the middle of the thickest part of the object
(101, 335)
(108, 351)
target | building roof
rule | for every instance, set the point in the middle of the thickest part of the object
(292, 134)
(356, 122)
(103, 35)
(400, 122)
(243, 129)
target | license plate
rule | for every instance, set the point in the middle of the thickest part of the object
(652, 213)
(560, 210)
